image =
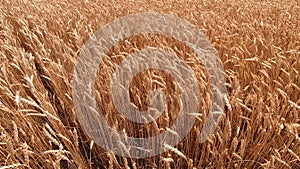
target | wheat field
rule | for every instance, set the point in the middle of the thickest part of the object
(257, 41)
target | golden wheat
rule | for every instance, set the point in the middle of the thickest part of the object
(257, 41)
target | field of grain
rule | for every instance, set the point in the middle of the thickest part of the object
(257, 41)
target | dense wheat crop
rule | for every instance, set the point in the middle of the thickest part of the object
(257, 41)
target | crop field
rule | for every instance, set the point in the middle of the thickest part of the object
(257, 41)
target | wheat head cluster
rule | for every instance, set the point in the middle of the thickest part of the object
(257, 41)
